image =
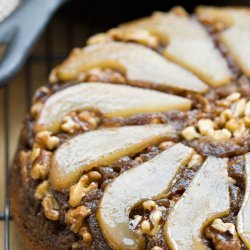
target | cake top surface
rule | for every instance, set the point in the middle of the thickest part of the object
(145, 132)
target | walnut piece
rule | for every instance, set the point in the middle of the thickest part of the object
(41, 165)
(86, 235)
(51, 207)
(80, 189)
(42, 190)
(151, 225)
(190, 133)
(45, 140)
(75, 217)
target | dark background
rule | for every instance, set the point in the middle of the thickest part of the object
(114, 12)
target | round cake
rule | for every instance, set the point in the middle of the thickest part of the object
(141, 139)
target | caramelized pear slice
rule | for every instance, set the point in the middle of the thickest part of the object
(243, 218)
(188, 45)
(236, 38)
(110, 99)
(145, 181)
(101, 147)
(229, 16)
(206, 198)
(137, 62)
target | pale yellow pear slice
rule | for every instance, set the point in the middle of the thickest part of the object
(112, 100)
(188, 45)
(137, 62)
(229, 16)
(145, 181)
(236, 39)
(206, 198)
(101, 148)
(237, 36)
(243, 218)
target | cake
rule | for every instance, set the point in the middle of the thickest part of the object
(141, 139)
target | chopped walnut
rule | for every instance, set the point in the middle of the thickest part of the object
(41, 166)
(80, 189)
(149, 205)
(237, 127)
(233, 97)
(207, 20)
(238, 108)
(85, 120)
(94, 176)
(138, 35)
(223, 227)
(232, 180)
(155, 120)
(223, 235)
(76, 245)
(179, 11)
(69, 125)
(205, 126)
(166, 144)
(90, 117)
(86, 236)
(195, 161)
(150, 225)
(36, 151)
(99, 38)
(102, 75)
(42, 190)
(235, 118)
(225, 116)
(74, 217)
(145, 227)
(51, 207)
(139, 160)
(247, 109)
(247, 121)
(40, 92)
(220, 135)
(157, 248)
(36, 109)
(45, 140)
(190, 133)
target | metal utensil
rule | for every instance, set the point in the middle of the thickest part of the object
(20, 31)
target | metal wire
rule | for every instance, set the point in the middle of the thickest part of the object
(7, 169)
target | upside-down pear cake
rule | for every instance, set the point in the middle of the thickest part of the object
(141, 139)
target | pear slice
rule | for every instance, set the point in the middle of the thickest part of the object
(229, 16)
(139, 63)
(188, 45)
(145, 181)
(111, 100)
(236, 38)
(101, 147)
(243, 218)
(206, 198)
